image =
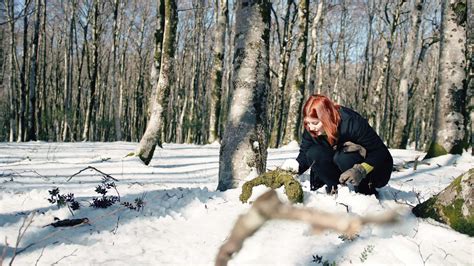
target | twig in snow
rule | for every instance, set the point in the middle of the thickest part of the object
(446, 254)
(345, 205)
(21, 232)
(114, 231)
(4, 252)
(418, 245)
(41, 255)
(70, 255)
(106, 176)
(268, 207)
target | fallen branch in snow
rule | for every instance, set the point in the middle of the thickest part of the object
(106, 176)
(268, 207)
(21, 232)
(405, 164)
(69, 222)
(4, 252)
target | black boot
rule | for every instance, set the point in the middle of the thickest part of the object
(315, 182)
(366, 188)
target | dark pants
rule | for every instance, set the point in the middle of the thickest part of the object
(329, 164)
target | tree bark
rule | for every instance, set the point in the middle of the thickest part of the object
(470, 70)
(218, 67)
(152, 133)
(449, 128)
(406, 79)
(115, 100)
(286, 42)
(293, 125)
(91, 103)
(9, 4)
(244, 145)
(68, 66)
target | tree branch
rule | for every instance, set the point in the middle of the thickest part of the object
(268, 207)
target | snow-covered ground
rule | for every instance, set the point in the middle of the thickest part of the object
(185, 220)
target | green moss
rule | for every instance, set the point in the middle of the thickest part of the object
(456, 220)
(428, 209)
(435, 150)
(274, 179)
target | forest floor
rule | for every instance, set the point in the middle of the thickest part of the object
(184, 220)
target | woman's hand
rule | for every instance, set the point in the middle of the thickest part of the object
(352, 147)
(353, 175)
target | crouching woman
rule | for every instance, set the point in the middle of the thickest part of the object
(340, 147)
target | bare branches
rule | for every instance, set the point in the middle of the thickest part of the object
(268, 207)
(21, 233)
(106, 176)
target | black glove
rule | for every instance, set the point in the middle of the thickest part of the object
(352, 147)
(353, 175)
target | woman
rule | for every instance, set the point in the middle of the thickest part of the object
(341, 147)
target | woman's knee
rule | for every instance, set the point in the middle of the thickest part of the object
(345, 160)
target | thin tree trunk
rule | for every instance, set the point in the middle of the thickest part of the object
(217, 71)
(13, 95)
(23, 85)
(68, 67)
(91, 106)
(407, 77)
(449, 128)
(152, 134)
(244, 145)
(293, 125)
(316, 30)
(285, 53)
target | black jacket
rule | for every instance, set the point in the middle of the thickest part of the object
(353, 127)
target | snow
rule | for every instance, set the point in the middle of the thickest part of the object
(185, 220)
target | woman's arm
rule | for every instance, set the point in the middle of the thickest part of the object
(306, 142)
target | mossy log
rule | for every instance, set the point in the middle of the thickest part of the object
(453, 206)
(275, 179)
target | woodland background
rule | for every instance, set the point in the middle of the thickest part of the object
(88, 69)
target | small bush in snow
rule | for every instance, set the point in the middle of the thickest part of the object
(105, 200)
(63, 199)
(366, 252)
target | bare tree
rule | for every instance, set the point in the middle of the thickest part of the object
(91, 102)
(400, 135)
(115, 106)
(70, 10)
(292, 130)
(244, 145)
(285, 44)
(449, 128)
(218, 67)
(152, 133)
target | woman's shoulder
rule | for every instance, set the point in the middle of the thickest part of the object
(347, 113)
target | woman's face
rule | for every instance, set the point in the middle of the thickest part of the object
(315, 126)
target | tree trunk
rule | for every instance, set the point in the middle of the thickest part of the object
(115, 100)
(293, 125)
(286, 43)
(217, 71)
(23, 85)
(152, 134)
(406, 79)
(449, 128)
(470, 81)
(316, 30)
(244, 145)
(91, 103)
(13, 95)
(68, 65)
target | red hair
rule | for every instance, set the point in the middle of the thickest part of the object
(320, 107)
